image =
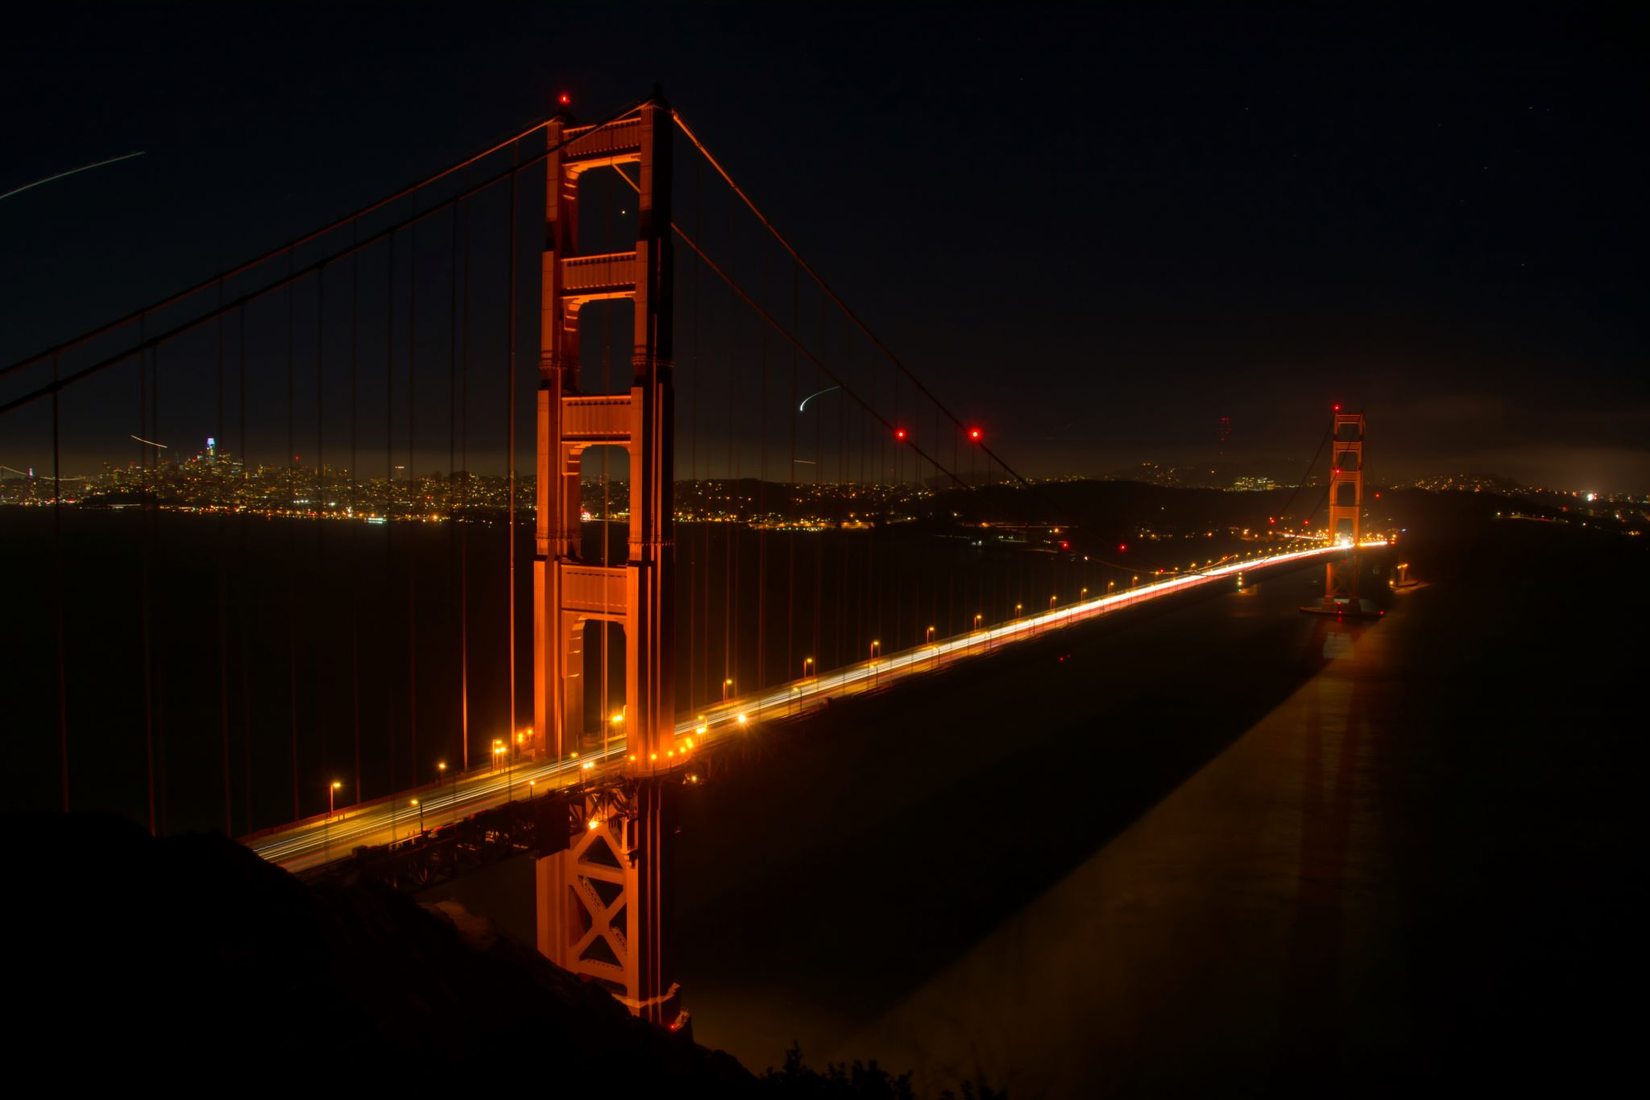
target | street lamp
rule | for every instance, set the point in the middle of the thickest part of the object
(876, 647)
(727, 683)
(452, 798)
(807, 663)
(326, 826)
(929, 640)
(419, 806)
(498, 753)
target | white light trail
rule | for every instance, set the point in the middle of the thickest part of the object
(70, 172)
(804, 406)
(313, 842)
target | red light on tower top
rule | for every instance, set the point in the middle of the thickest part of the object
(900, 435)
(564, 99)
(1337, 408)
(975, 435)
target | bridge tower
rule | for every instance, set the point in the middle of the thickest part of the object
(1346, 505)
(600, 901)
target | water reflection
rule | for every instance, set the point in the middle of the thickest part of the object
(1226, 937)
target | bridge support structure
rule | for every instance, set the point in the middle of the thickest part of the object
(594, 914)
(601, 903)
(1346, 507)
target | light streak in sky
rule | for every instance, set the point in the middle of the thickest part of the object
(149, 442)
(71, 172)
(804, 406)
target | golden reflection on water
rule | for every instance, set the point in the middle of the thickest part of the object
(1237, 928)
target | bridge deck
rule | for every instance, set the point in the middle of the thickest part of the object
(316, 841)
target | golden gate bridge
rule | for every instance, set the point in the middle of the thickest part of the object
(508, 657)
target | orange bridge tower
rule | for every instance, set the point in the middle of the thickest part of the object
(1346, 506)
(600, 902)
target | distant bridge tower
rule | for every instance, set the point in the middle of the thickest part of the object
(1346, 504)
(600, 902)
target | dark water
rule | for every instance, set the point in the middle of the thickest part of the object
(1223, 848)
(1219, 847)
(254, 661)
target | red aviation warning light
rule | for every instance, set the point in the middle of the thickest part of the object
(975, 435)
(564, 99)
(900, 435)
(1337, 408)
(1122, 548)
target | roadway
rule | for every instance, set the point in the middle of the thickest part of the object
(319, 840)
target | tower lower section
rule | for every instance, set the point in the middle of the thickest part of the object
(601, 901)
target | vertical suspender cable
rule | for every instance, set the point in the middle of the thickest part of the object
(510, 464)
(414, 771)
(223, 593)
(730, 530)
(318, 495)
(389, 486)
(819, 546)
(464, 536)
(845, 652)
(790, 493)
(762, 522)
(355, 519)
(143, 595)
(291, 566)
(452, 417)
(57, 597)
(693, 564)
(240, 537)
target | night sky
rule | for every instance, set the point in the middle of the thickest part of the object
(1097, 229)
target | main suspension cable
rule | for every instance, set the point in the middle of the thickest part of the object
(293, 274)
(282, 250)
(825, 287)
